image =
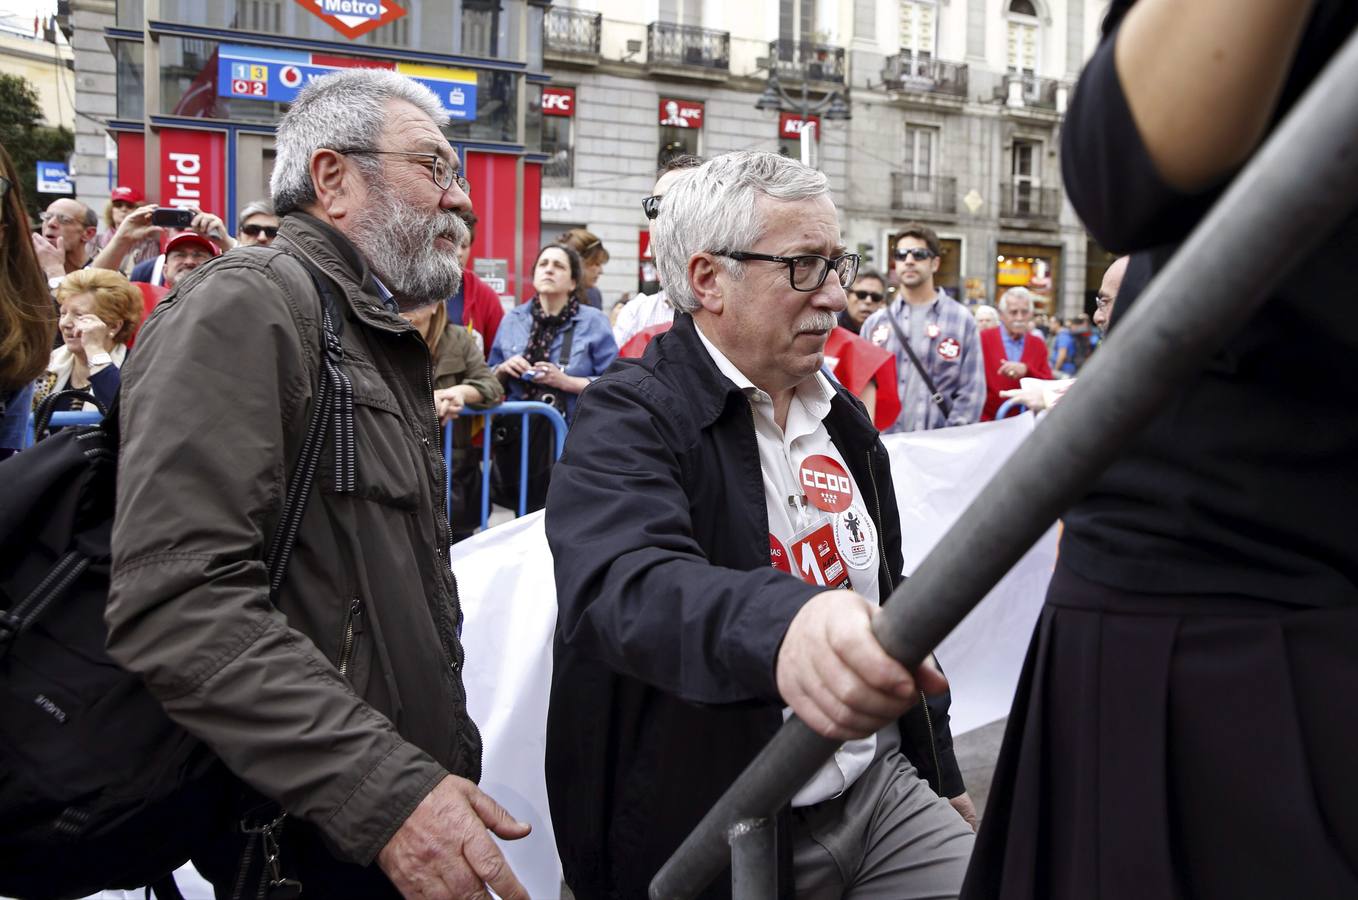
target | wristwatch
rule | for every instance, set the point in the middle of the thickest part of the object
(99, 359)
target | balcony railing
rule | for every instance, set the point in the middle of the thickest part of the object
(801, 61)
(558, 170)
(688, 47)
(926, 75)
(1022, 200)
(923, 193)
(572, 33)
(1034, 90)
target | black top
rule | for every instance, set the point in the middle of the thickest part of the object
(1245, 482)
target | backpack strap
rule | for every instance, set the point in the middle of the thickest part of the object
(333, 409)
(904, 340)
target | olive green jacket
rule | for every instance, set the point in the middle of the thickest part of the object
(344, 702)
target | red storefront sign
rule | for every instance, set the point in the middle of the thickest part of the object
(681, 113)
(558, 101)
(790, 125)
(193, 170)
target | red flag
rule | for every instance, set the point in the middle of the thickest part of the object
(636, 344)
(856, 362)
(200, 100)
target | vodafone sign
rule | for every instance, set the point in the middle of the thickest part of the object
(790, 125)
(681, 113)
(558, 101)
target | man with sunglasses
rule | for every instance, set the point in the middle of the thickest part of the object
(647, 315)
(723, 528)
(337, 699)
(258, 224)
(940, 374)
(865, 298)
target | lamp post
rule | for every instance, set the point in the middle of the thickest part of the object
(835, 106)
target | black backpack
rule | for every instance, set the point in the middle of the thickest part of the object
(98, 787)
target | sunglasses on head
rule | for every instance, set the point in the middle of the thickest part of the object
(270, 231)
(920, 253)
(868, 295)
(651, 206)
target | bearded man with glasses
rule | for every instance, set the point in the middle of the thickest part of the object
(939, 371)
(723, 527)
(336, 700)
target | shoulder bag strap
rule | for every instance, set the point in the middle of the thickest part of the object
(567, 340)
(904, 340)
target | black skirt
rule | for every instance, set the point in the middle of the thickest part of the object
(1171, 746)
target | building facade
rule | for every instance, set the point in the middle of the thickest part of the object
(190, 92)
(956, 108)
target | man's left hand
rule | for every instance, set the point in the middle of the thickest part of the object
(211, 227)
(1011, 369)
(965, 808)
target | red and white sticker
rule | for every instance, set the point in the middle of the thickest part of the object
(815, 558)
(949, 348)
(880, 334)
(778, 557)
(856, 537)
(827, 485)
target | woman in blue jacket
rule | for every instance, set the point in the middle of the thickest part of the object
(548, 349)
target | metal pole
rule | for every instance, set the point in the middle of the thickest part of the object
(1307, 173)
(754, 860)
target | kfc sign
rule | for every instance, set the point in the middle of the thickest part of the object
(558, 101)
(681, 113)
(790, 126)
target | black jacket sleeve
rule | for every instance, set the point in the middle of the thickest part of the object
(635, 590)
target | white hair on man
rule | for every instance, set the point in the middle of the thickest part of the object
(347, 109)
(713, 209)
(1016, 293)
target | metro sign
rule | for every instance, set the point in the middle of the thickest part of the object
(558, 101)
(353, 18)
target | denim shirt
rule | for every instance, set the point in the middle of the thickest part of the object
(14, 409)
(592, 349)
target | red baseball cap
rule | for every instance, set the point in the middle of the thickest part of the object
(126, 194)
(191, 237)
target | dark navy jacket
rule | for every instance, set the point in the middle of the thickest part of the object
(670, 616)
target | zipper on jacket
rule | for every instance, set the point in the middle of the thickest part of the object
(886, 570)
(353, 626)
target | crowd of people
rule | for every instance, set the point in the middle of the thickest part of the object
(723, 523)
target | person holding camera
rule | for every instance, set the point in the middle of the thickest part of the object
(548, 349)
(209, 231)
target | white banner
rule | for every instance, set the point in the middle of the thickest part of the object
(509, 598)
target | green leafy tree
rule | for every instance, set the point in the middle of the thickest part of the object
(28, 140)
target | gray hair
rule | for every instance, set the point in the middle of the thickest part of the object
(713, 209)
(1018, 293)
(981, 308)
(346, 109)
(91, 217)
(255, 208)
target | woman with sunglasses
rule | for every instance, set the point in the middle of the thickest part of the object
(27, 318)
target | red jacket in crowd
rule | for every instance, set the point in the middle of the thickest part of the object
(992, 351)
(481, 309)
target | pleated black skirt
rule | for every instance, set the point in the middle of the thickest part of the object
(1176, 747)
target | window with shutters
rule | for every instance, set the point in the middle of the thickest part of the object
(921, 143)
(1025, 179)
(1021, 37)
(918, 37)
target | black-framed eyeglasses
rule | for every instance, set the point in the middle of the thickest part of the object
(439, 168)
(923, 254)
(254, 230)
(62, 218)
(806, 272)
(874, 296)
(651, 206)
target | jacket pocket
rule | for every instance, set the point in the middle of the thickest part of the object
(386, 465)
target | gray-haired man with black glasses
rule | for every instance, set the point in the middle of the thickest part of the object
(723, 527)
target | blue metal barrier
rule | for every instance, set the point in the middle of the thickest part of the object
(521, 408)
(524, 409)
(1009, 405)
(64, 418)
